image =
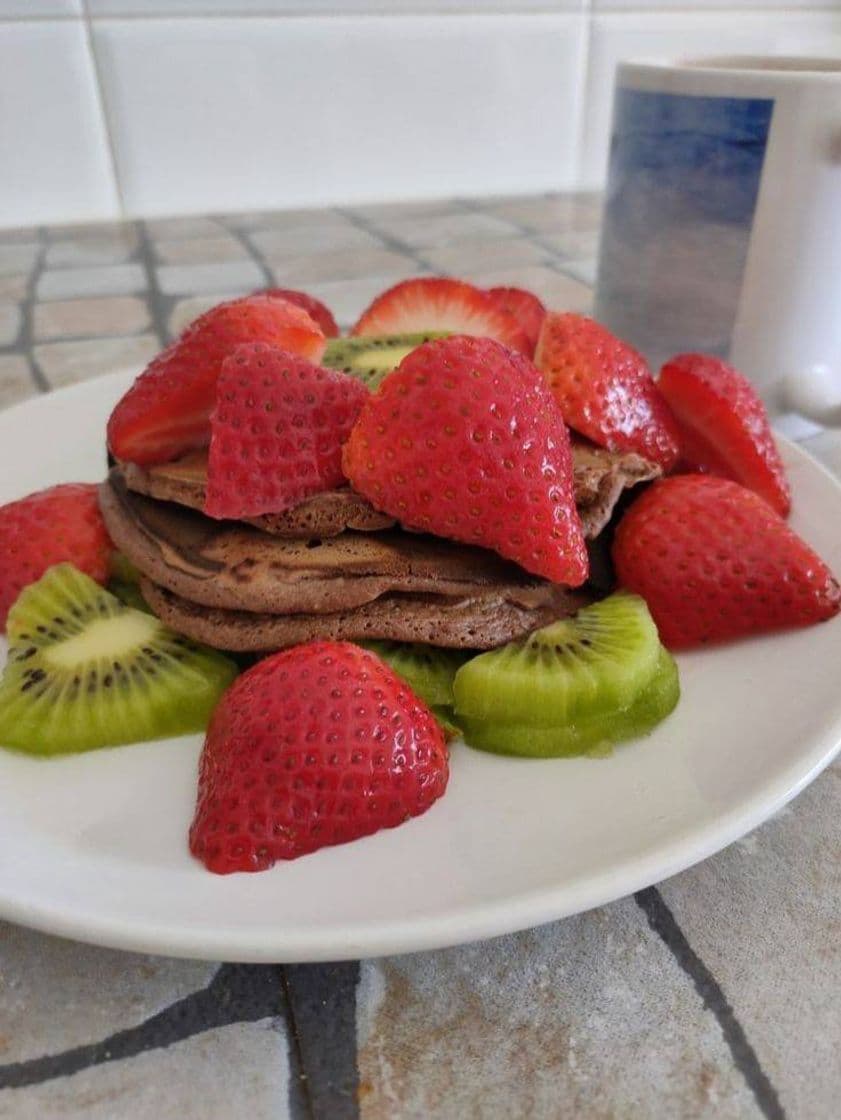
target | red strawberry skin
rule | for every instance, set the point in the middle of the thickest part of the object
(319, 312)
(47, 528)
(605, 389)
(277, 431)
(724, 426)
(464, 440)
(526, 308)
(440, 304)
(318, 745)
(714, 561)
(166, 412)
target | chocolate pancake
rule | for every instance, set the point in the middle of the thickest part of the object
(235, 567)
(481, 622)
(600, 477)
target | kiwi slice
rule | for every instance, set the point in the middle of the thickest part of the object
(593, 734)
(370, 359)
(86, 671)
(428, 670)
(597, 661)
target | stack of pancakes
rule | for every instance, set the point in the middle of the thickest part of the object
(334, 567)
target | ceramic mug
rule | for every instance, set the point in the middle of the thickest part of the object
(722, 225)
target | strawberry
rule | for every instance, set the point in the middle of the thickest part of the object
(319, 312)
(320, 744)
(166, 411)
(605, 389)
(47, 528)
(526, 309)
(724, 425)
(714, 561)
(464, 440)
(277, 431)
(438, 304)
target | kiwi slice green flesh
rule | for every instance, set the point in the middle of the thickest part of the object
(594, 734)
(86, 671)
(597, 661)
(371, 358)
(428, 670)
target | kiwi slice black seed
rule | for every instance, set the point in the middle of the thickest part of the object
(597, 661)
(86, 671)
(594, 734)
(370, 359)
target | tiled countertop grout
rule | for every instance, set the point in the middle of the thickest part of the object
(660, 1006)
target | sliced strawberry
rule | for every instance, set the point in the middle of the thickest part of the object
(526, 309)
(47, 528)
(318, 745)
(714, 561)
(277, 431)
(319, 312)
(438, 304)
(464, 440)
(605, 389)
(724, 425)
(166, 411)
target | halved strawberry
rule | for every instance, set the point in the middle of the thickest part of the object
(725, 429)
(167, 410)
(605, 388)
(319, 312)
(277, 431)
(439, 304)
(525, 307)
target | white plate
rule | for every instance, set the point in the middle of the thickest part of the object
(94, 846)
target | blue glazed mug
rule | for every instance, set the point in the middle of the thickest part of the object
(722, 224)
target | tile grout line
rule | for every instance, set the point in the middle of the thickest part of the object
(662, 921)
(389, 241)
(87, 21)
(154, 296)
(25, 342)
(244, 238)
(300, 1100)
(236, 994)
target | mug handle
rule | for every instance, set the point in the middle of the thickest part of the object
(814, 393)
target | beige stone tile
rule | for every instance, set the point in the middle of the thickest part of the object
(584, 270)
(590, 1017)
(765, 916)
(16, 384)
(18, 258)
(200, 250)
(558, 292)
(388, 212)
(347, 299)
(13, 287)
(285, 219)
(224, 1074)
(549, 214)
(316, 238)
(175, 229)
(57, 994)
(188, 309)
(16, 236)
(112, 248)
(83, 318)
(309, 268)
(97, 230)
(440, 231)
(64, 363)
(110, 280)
(576, 244)
(184, 279)
(9, 323)
(483, 255)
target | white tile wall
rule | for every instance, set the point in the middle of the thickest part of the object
(302, 112)
(232, 104)
(54, 164)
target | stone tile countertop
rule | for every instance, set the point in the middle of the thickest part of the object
(715, 994)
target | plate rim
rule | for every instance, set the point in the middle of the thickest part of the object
(466, 923)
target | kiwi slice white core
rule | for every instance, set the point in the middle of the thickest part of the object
(104, 637)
